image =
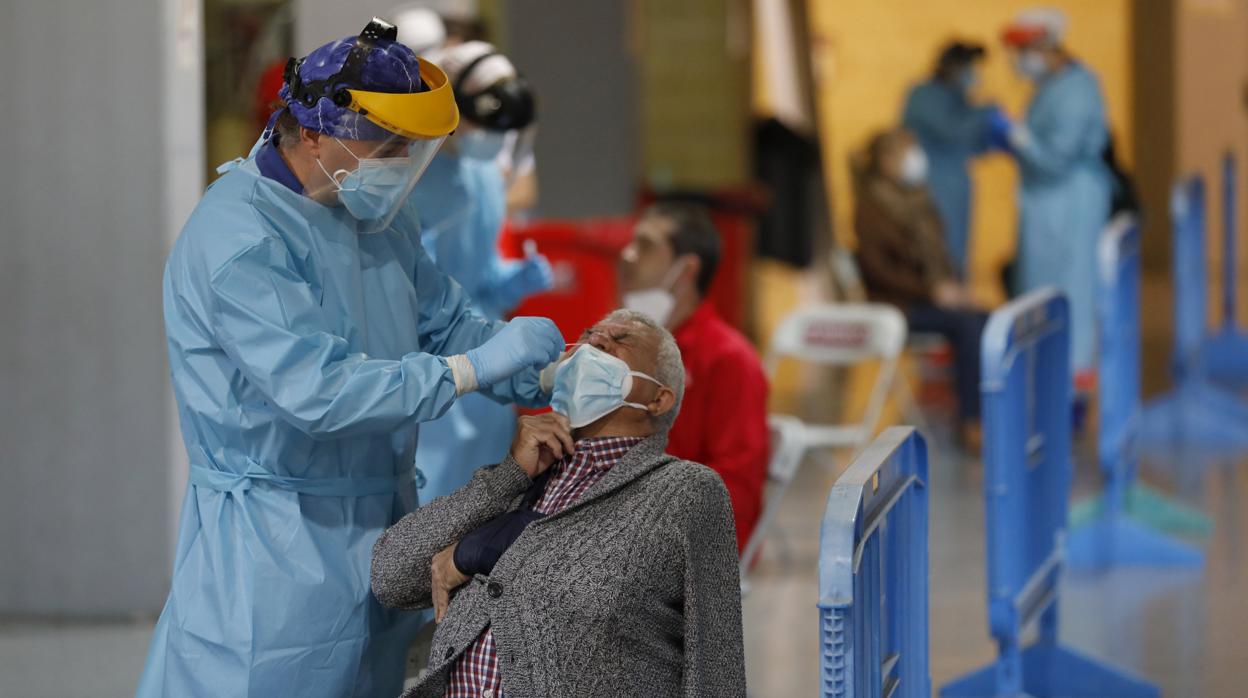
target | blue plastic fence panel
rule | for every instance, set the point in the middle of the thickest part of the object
(1026, 392)
(1191, 282)
(1118, 321)
(1198, 419)
(1230, 229)
(1225, 357)
(1121, 530)
(873, 573)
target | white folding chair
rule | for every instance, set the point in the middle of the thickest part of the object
(787, 450)
(922, 345)
(846, 275)
(843, 334)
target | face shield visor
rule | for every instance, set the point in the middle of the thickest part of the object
(383, 178)
(376, 190)
(397, 135)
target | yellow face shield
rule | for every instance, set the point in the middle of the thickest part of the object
(415, 115)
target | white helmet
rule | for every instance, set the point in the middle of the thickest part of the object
(420, 28)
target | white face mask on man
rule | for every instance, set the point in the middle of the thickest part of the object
(657, 302)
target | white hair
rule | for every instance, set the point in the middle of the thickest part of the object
(669, 368)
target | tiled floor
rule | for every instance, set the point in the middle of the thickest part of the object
(1186, 631)
(66, 660)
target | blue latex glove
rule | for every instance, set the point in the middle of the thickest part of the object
(525, 342)
(522, 279)
(999, 128)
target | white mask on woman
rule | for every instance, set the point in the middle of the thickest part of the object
(1030, 64)
(914, 166)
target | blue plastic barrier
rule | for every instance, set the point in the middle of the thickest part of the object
(873, 574)
(1108, 537)
(1197, 417)
(1226, 351)
(1027, 472)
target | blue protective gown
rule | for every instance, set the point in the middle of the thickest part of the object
(461, 202)
(1064, 199)
(303, 356)
(951, 131)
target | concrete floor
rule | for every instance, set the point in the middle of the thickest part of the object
(1183, 630)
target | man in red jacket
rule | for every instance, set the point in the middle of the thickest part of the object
(665, 273)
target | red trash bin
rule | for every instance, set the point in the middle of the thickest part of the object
(583, 254)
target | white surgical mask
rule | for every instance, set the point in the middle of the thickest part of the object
(591, 384)
(914, 166)
(1030, 64)
(656, 303)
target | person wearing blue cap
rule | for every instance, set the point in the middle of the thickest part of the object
(461, 200)
(951, 129)
(309, 334)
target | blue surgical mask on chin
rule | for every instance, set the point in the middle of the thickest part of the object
(591, 384)
(372, 192)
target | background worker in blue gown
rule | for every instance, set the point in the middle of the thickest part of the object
(1064, 199)
(461, 201)
(309, 334)
(951, 129)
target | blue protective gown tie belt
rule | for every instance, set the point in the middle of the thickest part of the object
(221, 481)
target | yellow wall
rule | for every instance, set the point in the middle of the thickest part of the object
(693, 63)
(868, 52)
(1211, 75)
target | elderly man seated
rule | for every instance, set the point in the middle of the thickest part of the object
(587, 563)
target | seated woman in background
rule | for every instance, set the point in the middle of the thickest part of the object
(903, 260)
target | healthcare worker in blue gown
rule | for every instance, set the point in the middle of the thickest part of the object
(1064, 200)
(461, 200)
(309, 335)
(951, 129)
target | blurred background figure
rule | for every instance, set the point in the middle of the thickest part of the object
(952, 129)
(1065, 196)
(420, 28)
(902, 254)
(461, 201)
(428, 27)
(665, 273)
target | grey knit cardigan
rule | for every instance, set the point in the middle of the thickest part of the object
(631, 591)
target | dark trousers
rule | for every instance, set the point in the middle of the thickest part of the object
(962, 329)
